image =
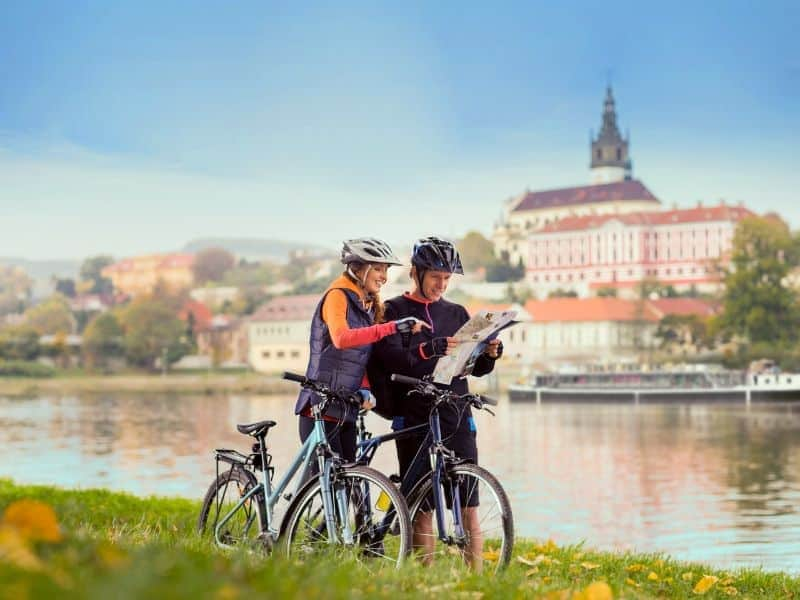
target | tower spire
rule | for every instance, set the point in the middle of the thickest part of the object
(609, 160)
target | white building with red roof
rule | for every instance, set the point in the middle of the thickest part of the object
(587, 330)
(612, 191)
(682, 248)
(140, 275)
(278, 334)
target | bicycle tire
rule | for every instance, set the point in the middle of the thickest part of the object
(303, 530)
(244, 528)
(499, 552)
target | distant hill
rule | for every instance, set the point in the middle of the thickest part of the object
(42, 271)
(255, 248)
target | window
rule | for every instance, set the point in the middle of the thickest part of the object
(295, 354)
(522, 337)
(266, 354)
(280, 354)
(619, 154)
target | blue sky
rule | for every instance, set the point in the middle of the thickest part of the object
(135, 126)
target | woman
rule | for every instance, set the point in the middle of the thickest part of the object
(346, 322)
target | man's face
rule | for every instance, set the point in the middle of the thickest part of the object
(434, 284)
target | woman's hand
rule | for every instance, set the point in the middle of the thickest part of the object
(368, 401)
(410, 325)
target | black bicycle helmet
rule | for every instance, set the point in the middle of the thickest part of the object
(368, 250)
(435, 254)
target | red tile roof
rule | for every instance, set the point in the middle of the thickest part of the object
(201, 314)
(589, 309)
(701, 214)
(587, 194)
(288, 308)
(684, 306)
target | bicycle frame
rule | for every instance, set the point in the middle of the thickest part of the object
(438, 453)
(318, 442)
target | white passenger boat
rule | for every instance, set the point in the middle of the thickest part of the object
(699, 385)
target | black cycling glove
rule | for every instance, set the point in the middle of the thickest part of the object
(436, 347)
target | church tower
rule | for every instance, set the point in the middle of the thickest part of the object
(610, 161)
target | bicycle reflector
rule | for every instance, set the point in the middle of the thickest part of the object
(384, 502)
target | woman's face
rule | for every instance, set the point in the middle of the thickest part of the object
(376, 277)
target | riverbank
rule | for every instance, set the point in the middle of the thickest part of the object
(198, 383)
(95, 543)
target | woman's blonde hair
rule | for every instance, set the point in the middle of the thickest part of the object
(375, 299)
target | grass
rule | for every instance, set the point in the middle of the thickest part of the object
(117, 545)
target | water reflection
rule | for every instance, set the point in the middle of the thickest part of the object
(714, 483)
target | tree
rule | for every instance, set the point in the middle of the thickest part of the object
(759, 307)
(475, 251)
(15, 289)
(65, 286)
(51, 316)
(607, 292)
(561, 293)
(211, 264)
(19, 342)
(152, 331)
(102, 339)
(91, 271)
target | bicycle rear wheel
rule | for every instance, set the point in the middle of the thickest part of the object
(243, 528)
(367, 505)
(486, 512)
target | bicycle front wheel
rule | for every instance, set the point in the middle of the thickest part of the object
(488, 524)
(370, 519)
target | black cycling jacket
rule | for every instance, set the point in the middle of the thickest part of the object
(390, 356)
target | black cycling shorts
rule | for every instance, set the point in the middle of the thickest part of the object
(415, 462)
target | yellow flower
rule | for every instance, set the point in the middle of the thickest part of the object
(652, 576)
(706, 583)
(227, 592)
(597, 590)
(111, 555)
(15, 551)
(631, 582)
(688, 576)
(491, 555)
(589, 566)
(34, 520)
(730, 590)
(635, 568)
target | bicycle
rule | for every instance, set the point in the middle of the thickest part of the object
(451, 485)
(343, 505)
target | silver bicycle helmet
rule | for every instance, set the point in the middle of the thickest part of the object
(368, 250)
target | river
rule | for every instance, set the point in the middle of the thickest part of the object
(712, 483)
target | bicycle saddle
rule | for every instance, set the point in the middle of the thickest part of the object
(255, 429)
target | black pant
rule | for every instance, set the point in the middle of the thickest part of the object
(341, 437)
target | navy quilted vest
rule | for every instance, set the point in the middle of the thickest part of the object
(341, 370)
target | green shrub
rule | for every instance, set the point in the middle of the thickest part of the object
(22, 368)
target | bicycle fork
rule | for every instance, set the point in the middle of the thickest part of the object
(333, 506)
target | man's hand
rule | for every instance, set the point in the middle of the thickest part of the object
(440, 346)
(494, 349)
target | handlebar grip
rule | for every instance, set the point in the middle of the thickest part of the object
(396, 378)
(489, 401)
(294, 377)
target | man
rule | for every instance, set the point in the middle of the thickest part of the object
(433, 261)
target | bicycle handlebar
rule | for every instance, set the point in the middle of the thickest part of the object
(487, 400)
(429, 388)
(321, 388)
(397, 378)
(294, 377)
